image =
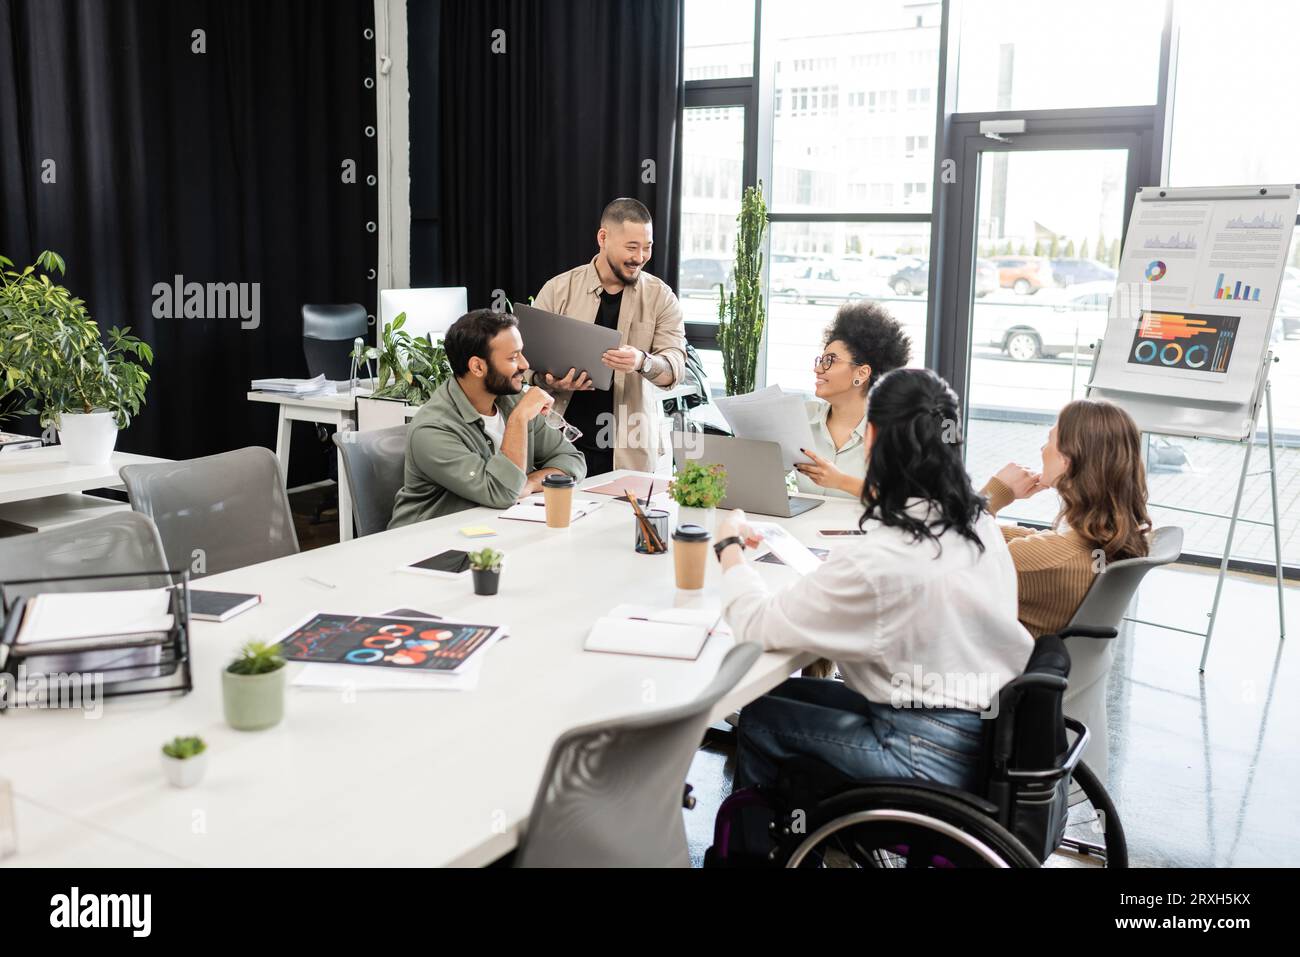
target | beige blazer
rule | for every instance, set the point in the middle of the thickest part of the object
(649, 319)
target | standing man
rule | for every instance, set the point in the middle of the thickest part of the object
(620, 427)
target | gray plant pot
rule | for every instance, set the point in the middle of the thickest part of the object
(253, 702)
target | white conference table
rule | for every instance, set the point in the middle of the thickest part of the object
(39, 473)
(418, 778)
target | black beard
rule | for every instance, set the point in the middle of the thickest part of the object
(617, 270)
(498, 384)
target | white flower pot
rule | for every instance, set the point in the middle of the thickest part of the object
(88, 437)
(184, 772)
(690, 515)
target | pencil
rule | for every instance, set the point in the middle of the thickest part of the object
(651, 536)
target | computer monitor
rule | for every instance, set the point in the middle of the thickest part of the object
(430, 310)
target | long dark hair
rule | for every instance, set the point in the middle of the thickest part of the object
(917, 454)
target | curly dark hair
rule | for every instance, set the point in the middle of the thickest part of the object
(874, 337)
(917, 454)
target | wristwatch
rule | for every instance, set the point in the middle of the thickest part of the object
(645, 362)
(726, 543)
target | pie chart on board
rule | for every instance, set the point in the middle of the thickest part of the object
(1156, 270)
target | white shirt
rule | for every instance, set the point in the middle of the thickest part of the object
(850, 460)
(903, 625)
(495, 427)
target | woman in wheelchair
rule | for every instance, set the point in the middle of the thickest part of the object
(919, 614)
(1093, 459)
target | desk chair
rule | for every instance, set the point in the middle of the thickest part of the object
(375, 463)
(328, 332)
(1103, 607)
(217, 512)
(612, 793)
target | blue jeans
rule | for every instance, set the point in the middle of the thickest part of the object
(825, 719)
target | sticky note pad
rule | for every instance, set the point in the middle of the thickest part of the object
(477, 531)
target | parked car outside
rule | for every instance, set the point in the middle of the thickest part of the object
(1057, 322)
(1025, 275)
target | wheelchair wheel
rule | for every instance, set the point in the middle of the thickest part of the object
(884, 827)
(1094, 831)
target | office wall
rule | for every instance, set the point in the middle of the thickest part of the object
(526, 118)
(208, 140)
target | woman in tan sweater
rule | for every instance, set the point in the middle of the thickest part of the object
(1093, 459)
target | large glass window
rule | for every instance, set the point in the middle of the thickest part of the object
(854, 105)
(817, 267)
(719, 39)
(1046, 54)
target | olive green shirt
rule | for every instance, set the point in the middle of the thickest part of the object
(452, 465)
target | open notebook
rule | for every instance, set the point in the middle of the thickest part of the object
(655, 632)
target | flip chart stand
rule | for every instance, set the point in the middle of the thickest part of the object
(1235, 517)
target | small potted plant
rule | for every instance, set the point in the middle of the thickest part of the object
(53, 355)
(184, 760)
(252, 688)
(485, 566)
(697, 489)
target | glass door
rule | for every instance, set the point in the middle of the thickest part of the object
(1045, 218)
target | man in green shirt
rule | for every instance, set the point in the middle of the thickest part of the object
(478, 441)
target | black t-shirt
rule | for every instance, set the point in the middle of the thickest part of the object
(585, 408)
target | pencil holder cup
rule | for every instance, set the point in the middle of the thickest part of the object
(658, 520)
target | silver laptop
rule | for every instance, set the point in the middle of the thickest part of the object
(755, 475)
(556, 344)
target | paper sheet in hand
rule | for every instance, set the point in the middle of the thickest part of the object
(786, 547)
(659, 633)
(770, 416)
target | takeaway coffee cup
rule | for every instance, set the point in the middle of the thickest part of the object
(557, 490)
(690, 556)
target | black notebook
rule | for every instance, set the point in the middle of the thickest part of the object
(219, 605)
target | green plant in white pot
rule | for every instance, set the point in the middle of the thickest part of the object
(53, 356)
(252, 688)
(184, 761)
(697, 489)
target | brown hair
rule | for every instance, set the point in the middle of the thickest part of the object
(1104, 488)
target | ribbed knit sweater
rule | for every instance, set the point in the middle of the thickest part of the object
(1054, 570)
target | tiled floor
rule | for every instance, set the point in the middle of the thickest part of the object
(1204, 769)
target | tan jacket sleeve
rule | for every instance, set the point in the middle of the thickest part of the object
(669, 340)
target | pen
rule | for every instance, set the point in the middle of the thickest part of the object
(317, 581)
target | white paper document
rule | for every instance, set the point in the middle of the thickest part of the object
(56, 619)
(790, 550)
(770, 415)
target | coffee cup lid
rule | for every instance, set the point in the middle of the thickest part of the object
(555, 480)
(691, 533)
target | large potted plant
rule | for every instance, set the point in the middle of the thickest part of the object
(410, 368)
(53, 356)
(252, 688)
(742, 315)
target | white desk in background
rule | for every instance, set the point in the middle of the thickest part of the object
(340, 410)
(393, 778)
(43, 480)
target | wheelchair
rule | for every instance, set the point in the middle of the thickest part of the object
(1037, 798)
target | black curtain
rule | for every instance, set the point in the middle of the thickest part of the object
(533, 141)
(222, 166)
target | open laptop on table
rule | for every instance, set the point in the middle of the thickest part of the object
(755, 475)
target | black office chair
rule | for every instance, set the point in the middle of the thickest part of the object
(817, 817)
(328, 332)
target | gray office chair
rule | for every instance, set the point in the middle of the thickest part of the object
(612, 793)
(115, 544)
(327, 335)
(217, 512)
(1104, 607)
(375, 463)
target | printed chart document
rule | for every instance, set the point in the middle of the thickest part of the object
(770, 415)
(655, 632)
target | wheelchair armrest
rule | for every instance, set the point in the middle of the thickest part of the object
(1082, 734)
(1087, 631)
